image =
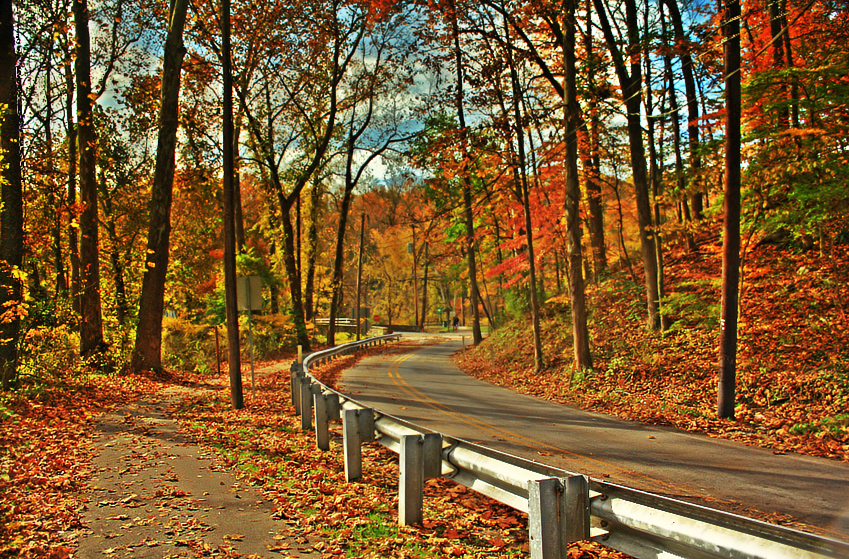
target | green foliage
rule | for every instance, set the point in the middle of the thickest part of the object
(837, 426)
(189, 347)
(273, 334)
(48, 344)
(216, 312)
(795, 177)
(517, 302)
(690, 307)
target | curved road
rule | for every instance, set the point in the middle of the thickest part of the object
(426, 388)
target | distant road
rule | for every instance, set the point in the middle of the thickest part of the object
(426, 388)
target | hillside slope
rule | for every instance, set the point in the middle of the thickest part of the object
(793, 358)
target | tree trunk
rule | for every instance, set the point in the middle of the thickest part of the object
(580, 333)
(11, 196)
(539, 355)
(696, 191)
(681, 180)
(121, 303)
(630, 82)
(312, 250)
(776, 24)
(591, 162)
(233, 357)
(147, 353)
(339, 264)
(424, 288)
(54, 204)
(91, 328)
(239, 218)
(71, 201)
(731, 239)
(468, 215)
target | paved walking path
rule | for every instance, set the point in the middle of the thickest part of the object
(156, 495)
(426, 388)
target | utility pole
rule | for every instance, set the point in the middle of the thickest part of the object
(424, 295)
(415, 274)
(360, 269)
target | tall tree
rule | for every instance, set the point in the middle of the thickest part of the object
(375, 77)
(231, 304)
(468, 215)
(523, 187)
(630, 79)
(91, 327)
(147, 353)
(695, 190)
(580, 333)
(11, 198)
(731, 239)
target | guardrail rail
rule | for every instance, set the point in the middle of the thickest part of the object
(562, 507)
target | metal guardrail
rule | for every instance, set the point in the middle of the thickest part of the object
(562, 507)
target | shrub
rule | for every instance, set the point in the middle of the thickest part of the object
(273, 334)
(189, 347)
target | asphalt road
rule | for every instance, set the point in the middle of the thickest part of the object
(426, 388)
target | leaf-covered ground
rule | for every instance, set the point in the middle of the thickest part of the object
(46, 457)
(44, 460)
(793, 359)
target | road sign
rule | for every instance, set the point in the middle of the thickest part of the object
(249, 291)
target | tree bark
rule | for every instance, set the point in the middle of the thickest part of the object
(233, 356)
(312, 250)
(71, 200)
(11, 196)
(54, 204)
(731, 241)
(339, 262)
(147, 353)
(580, 333)
(591, 161)
(522, 179)
(91, 328)
(681, 179)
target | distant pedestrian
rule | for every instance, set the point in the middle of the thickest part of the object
(456, 323)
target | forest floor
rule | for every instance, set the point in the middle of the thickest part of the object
(792, 396)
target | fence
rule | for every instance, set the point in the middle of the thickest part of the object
(562, 507)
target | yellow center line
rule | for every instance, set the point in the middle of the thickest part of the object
(395, 375)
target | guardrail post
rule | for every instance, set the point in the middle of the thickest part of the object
(575, 509)
(322, 432)
(432, 455)
(559, 511)
(351, 444)
(306, 404)
(295, 370)
(365, 425)
(411, 483)
(333, 407)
